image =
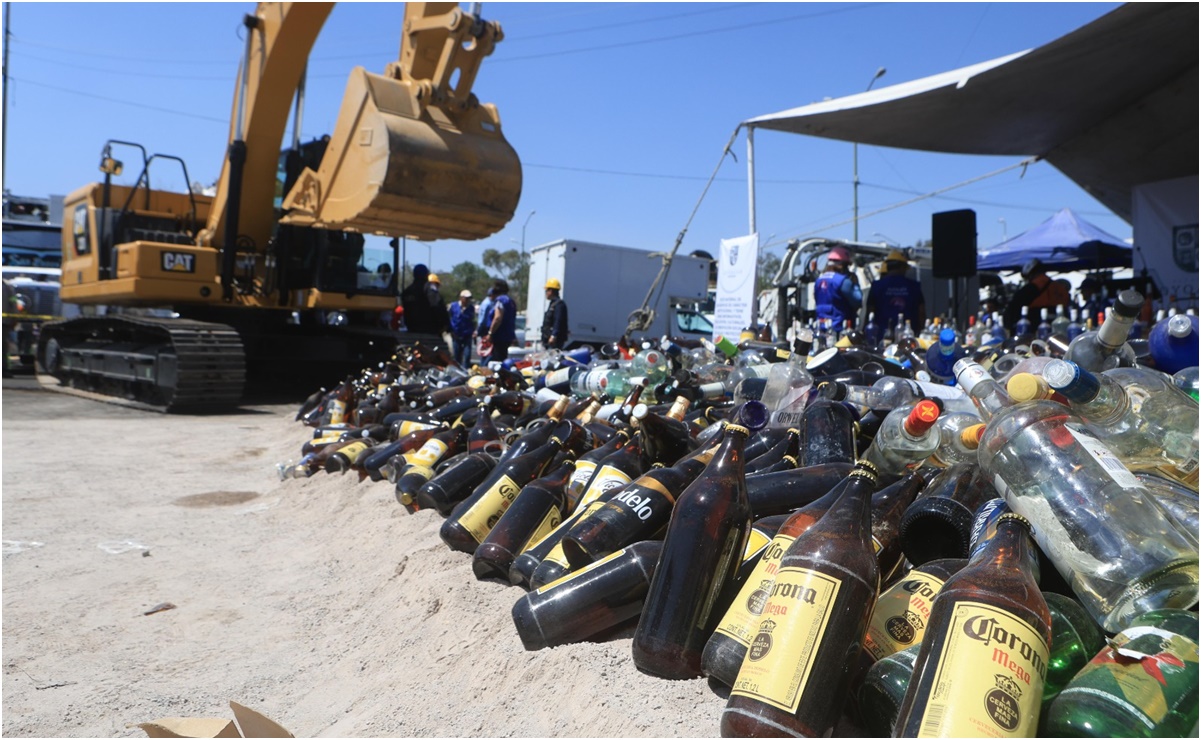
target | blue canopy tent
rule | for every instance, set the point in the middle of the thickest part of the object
(1063, 242)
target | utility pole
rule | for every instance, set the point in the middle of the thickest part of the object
(8, 32)
(855, 149)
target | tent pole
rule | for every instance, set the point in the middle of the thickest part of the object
(751, 229)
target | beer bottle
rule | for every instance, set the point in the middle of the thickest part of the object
(347, 456)
(785, 463)
(1142, 684)
(784, 492)
(798, 669)
(588, 601)
(665, 439)
(762, 441)
(1075, 639)
(615, 473)
(634, 513)
(827, 433)
(375, 462)
(475, 516)
(342, 402)
(902, 612)
(790, 446)
(538, 509)
(984, 657)
(539, 436)
(888, 506)
(705, 540)
(311, 403)
(587, 464)
(484, 436)
(939, 523)
(456, 483)
(410, 482)
(879, 697)
(726, 648)
(440, 446)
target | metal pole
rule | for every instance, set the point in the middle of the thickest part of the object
(752, 225)
(855, 177)
(8, 32)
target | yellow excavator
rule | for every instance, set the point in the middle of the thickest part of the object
(250, 275)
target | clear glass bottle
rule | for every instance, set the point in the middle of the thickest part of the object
(907, 437)
(1107, 347)
(787, 391)
(984, 390)
(1139, 413)
(1092, 516)
(960, 437)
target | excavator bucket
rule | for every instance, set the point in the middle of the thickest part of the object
(410, 156)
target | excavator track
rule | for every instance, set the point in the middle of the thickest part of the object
(169, 365)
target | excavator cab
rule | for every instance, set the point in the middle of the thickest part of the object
(414, 152)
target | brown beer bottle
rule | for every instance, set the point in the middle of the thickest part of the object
(374, 464)
(441, 446)
(704, 544)
(633, 513)
(342, 402)
(982, 663)
(797, 673)
(788, 447)
(484, 436)
(588, 601)
(537, 510)
(726, 648)
(347, 456)
(474, 517)
(939, 523)
(665, 439)
(888, 506)
(786, 491)
(540, 435)
(903, 611)
(616, 472)
(456, 483)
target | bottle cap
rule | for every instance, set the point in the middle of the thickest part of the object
(737, 428)
(969, 373)
(640, 411)
(864, 469)
(868, 466)
(1180, 326)
(1027, 387)
(1071, 380)
(833, 390)
(947, 337)
(970, 437)
(922, 417)
(1129, 303)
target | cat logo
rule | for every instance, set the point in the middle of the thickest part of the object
(179, 262)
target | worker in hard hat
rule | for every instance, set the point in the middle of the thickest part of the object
(895, 297)
(424, 309)
(836, 294)
(554, 321)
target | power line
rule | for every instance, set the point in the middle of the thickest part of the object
(107, 99)
(655, 175)
(132, 73)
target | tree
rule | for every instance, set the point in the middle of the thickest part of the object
(511, 266)
(465, 275)
(769, 265)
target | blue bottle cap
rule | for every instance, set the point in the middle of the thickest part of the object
(1073, 381)
(947, 336)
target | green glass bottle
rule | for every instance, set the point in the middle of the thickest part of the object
(1075, 639)
(1143, 684)
(878, 700)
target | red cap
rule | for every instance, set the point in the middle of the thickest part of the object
(922, 417)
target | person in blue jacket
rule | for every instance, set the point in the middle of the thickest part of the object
(896, 298)
(836, 294)
(462, 326)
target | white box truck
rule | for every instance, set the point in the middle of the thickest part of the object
(603, 284)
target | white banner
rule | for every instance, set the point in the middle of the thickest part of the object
(1165, 238)
(736, 268)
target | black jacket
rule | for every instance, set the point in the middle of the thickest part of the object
(554, 323)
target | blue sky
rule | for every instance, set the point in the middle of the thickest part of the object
(619, 111)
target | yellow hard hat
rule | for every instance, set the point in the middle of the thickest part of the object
(896, 255)
(433, 278)
(554, 283)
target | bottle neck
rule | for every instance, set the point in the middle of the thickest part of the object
(1011, 548)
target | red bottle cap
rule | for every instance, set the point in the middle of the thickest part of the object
(922, 417)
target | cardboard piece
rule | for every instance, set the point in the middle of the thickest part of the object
(246, 723)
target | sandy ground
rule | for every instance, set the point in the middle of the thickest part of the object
(320, 603)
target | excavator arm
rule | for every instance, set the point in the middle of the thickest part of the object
(413, 152)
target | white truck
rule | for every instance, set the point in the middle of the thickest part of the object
(603, 284)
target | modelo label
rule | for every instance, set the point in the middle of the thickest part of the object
(988, 680)
(579, 479)
(901, 615)
(779, 660)
(1148, 671)
(742, 618)
(606, 480)
(482, 517)
(429, 454)
(643, 499)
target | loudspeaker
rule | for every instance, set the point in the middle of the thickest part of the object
(953, 253)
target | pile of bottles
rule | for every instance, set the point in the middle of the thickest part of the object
(925, 538)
